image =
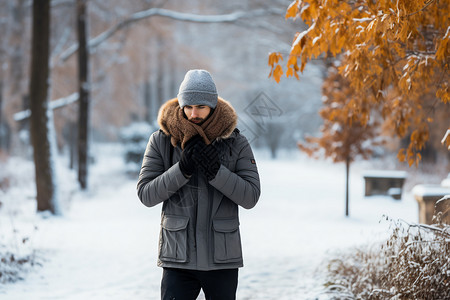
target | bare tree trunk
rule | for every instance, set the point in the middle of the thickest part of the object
(39, 120)
(5, 131)
(347, 172)
(273, 136)
(2, 135)
(84, 88)
(148, 117)
(160, 72)
(16, 41)
(73, 136)
(173, 84)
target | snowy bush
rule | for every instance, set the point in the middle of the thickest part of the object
(17, 252)
(14, 266)
(414, 263)
(134, 138)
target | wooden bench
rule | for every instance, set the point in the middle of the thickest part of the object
(427, 196)
(384, 182)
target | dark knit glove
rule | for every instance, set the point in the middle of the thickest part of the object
(187, 161)
(210, 162)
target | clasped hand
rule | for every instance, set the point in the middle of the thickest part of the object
(198, 155)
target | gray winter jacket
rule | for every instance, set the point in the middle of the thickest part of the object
(199, 221)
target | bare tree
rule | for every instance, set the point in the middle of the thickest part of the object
(84, 92)
(39, 88)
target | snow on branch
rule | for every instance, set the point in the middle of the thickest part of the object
(447, 134)
(62, 2)
(362, 20)
(22, 115)
(179, 16)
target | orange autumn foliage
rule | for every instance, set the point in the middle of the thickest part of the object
(347, 131)
(395, 54)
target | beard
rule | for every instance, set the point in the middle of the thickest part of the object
(197, 121)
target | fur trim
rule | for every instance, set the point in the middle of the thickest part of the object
(219, 125)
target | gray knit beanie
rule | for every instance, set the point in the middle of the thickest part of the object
(197, 88)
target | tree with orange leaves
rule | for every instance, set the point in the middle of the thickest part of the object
(394, 54)
(345, 135)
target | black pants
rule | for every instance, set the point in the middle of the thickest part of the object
(179, 284)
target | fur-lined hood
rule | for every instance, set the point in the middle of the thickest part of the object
(219, 125)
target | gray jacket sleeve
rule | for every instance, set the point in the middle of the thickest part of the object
(241, 186)
(156, 184)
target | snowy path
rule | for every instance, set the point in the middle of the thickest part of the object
(105, 247)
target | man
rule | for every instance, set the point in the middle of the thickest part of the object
(201, 168)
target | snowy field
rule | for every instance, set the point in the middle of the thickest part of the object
(105, 245)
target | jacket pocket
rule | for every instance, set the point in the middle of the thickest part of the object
(227, 241)
(173, 241)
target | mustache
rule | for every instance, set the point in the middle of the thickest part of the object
(196, 119)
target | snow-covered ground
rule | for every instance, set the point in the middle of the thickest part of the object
(105, 245)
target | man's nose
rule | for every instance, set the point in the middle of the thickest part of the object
(194, 112)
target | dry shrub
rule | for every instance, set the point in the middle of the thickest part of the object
(414, 263)
(12, 267)
(17, 255)
(17, 250)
